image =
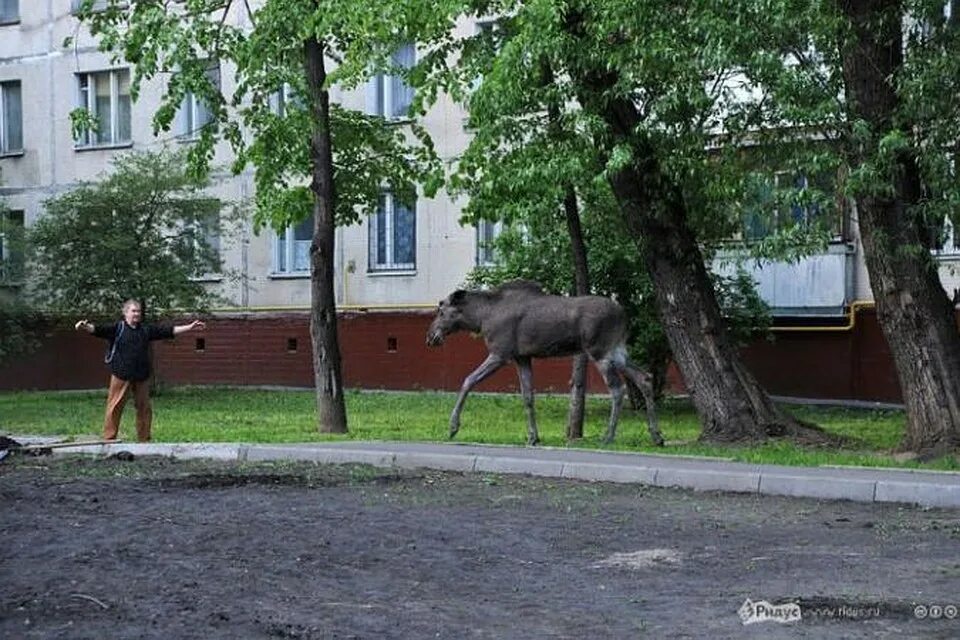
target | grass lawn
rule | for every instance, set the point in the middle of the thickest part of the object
(210, 414)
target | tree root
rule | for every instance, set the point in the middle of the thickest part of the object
(797, 431)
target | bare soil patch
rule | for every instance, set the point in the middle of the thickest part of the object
(153, 548)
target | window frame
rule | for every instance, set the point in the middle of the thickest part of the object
(381, 100)
(209, 228)
(284, 245)
(87, 99)
(390, 210)
(191, 104)
(951, 241)
(281, 100)
(485, 253)
(4, 148)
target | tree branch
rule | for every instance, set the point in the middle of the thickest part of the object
(253, 20)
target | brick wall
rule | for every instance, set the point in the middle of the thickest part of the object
(380, 351)
(388, 351)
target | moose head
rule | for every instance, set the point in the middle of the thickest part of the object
(449, 319)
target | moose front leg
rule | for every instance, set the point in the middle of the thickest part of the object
(481, 373)
(526, 388)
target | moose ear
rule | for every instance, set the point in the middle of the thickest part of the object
(458, 296)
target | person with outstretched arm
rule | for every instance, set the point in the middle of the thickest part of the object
(129, 360)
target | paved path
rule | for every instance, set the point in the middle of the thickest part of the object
(926, 488)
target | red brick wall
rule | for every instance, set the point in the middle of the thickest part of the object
(388, 351)
(253, 350)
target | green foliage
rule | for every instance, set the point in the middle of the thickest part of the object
(20, 327)
(81, 121)
(797, 66)
(262, 45)
(534, 86)
(137, 233)
(746, 313)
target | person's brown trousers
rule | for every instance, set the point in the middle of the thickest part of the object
(117, 397)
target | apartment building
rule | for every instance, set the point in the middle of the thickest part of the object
(398, 258)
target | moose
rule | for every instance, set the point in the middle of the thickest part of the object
(519, 321)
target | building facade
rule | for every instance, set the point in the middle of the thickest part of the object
(396, 258)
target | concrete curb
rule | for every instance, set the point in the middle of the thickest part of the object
(925, 488)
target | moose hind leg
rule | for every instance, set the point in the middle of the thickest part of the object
(643, 382)
(525, 372)
(615, 383)
(481, 373)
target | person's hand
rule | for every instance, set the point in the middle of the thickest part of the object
(83, 325)
(197, 324)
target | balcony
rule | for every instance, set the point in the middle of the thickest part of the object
(817, 286)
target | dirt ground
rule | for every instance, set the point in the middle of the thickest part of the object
(152, 548)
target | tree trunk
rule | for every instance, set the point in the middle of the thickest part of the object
(730, 402)
(581, 273)
(581, 278)
(914, 311)
(331, 411)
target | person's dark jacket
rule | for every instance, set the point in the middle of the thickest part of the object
(131, 355)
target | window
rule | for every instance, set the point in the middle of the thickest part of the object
(391, 96)
(204, 240)
(947, 239)
(9, 11)
(11, 247)
(487, 233)
(292, 248)
(106, 95)
(98, 5)
(11, 118)
(941, 225)
(785, 200)
(194, 114)
(393, 235)
(282, 99)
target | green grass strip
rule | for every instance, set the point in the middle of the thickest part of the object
(212, 414)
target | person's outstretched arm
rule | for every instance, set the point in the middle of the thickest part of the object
(183, 328)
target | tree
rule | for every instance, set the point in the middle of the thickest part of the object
(877, 80)
(644, 83)
(20, 325)
(141, 232)
(309, 155)
(894, 162)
